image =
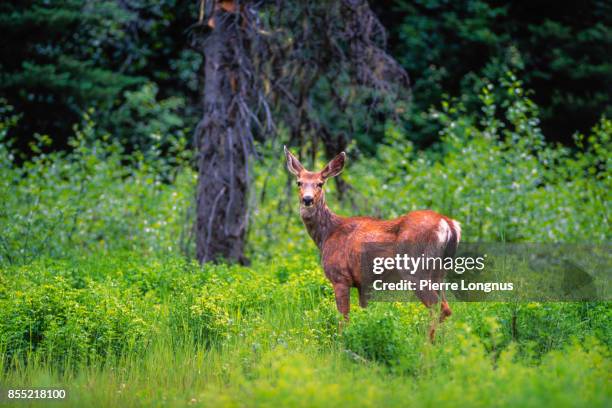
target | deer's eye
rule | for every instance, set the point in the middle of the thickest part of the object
(299, 184)
(320, 185)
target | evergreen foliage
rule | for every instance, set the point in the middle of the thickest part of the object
(560, 50)
(59, 58)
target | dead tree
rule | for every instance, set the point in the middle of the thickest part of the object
(301, 55)
(223, 137)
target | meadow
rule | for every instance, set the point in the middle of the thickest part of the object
(100, 295)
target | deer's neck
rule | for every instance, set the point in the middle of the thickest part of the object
(320, 222)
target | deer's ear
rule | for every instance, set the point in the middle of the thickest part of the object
(293, 164)
(334, 167)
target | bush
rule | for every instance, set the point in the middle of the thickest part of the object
(503, 183)
(234, 297)
(91, 200)
(376, 335)
(456, 47)
(67, 325)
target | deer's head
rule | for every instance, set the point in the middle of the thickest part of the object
(311, 183)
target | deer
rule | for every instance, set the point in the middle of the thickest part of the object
(341, 240)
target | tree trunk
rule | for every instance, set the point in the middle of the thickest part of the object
(223, 151)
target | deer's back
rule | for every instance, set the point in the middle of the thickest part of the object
(341, 252)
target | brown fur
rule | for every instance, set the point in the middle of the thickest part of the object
(340, 239)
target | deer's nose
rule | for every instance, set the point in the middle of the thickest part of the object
(307, 200)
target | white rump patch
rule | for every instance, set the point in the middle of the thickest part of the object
(444, 232)
(457, 228)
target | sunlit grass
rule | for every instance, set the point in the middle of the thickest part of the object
(276, 343)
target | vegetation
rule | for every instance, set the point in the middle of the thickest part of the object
(506, 127)
(59, 58)
(559, 50)
(447, 47)
(98, 294)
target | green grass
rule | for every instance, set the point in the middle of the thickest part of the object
(267, 336)
(308, 377)
(96, 297)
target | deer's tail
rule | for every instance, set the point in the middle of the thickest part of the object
(449, 235)
(454, 237)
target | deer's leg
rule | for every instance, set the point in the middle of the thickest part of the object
(433, 326)
(429, 299)
(363, 301)
(342, 293)
(445, 311)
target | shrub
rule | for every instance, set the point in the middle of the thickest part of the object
(63, 324)
(502, 182)
(376, 335)
(89, 199)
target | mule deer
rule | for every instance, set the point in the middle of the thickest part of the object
(340, 239)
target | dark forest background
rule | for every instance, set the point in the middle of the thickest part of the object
(151, 247)
(131, 61)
